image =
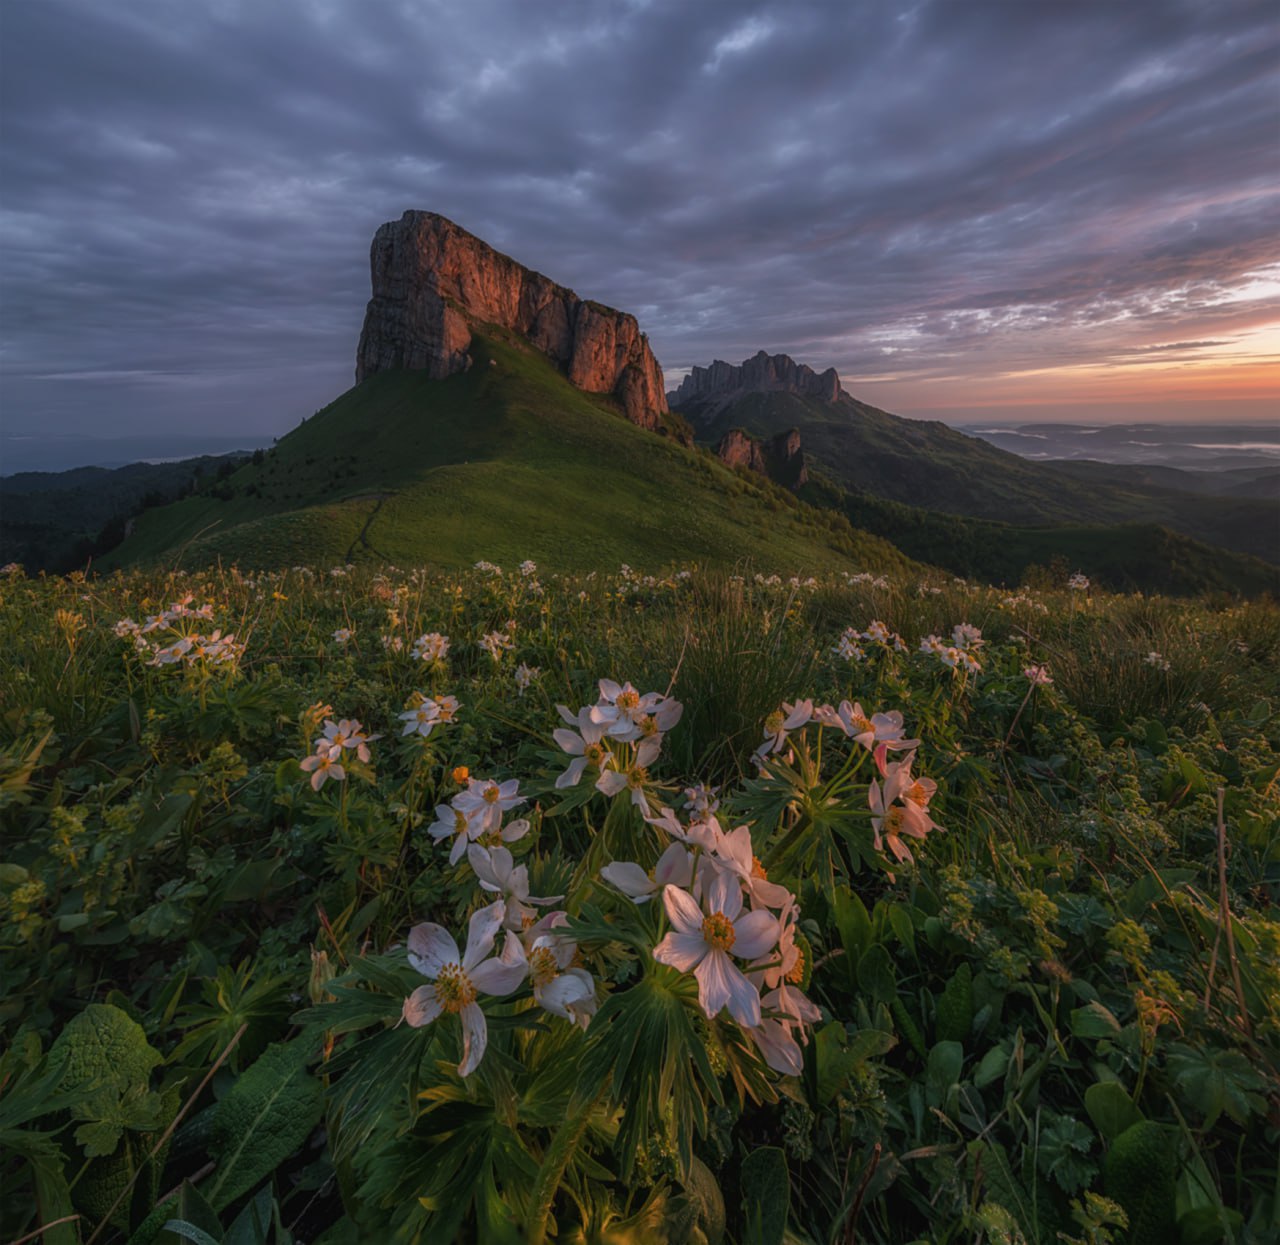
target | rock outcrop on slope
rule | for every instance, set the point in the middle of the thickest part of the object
(432, 281)
(710, 389)
(780, 458)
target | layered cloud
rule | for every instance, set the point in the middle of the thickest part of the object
(952, 203)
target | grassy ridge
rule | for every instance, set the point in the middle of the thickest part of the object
(505, 461)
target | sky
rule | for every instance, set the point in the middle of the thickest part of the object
(973, 209)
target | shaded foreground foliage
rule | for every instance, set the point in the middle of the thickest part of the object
(1060, 1021)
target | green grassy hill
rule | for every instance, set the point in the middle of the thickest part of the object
(926, 464)
(505, 462)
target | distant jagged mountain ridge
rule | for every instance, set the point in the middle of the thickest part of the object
(923, 463)
(433, 283)
(708, 390)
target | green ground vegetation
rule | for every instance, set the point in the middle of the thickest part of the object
(1059, 1021)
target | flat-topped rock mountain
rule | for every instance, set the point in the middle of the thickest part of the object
(707, 390)
(433, 282)
(781, 458)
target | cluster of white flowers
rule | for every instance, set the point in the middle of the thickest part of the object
(877, 732)
(495, 643)
(866, 577)
(1078, 582)
(393, 643)
(1021, 600)
(524, 676)
(431, 647)
(1157, 660)
(475, 813)
(534, 953)
(732, 928)
(900, 809)
(488, 568)
(621, 716)
(528, 568)
(337, 737)
(961, 653)
(183, 645)
(426, 714)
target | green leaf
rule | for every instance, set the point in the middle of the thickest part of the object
(252, 1224)
(837, 1056)
(1110, 1109)
(992, 1067)
(946, 1060)
(189, 1232)
(1062, 1153)
(876, 975)
(766, 1196)
(266, 1116)
(1093, 1021)
(1217, 1081)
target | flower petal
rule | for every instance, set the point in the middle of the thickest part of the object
(498, 978)
(629, 878)
(682, 952)
(725, 895)
(755, 933)
(421, 1007)
(683, 910)
(475, 1037)
(481, 932)
(713, 982)
(430, 948)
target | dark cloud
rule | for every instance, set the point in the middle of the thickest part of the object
(907, 191)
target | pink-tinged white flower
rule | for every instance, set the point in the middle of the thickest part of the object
(1156, 660)
(879, 728)
(704, 831)
(674, 868)
(126, 627)
(495, 643)
(1037, 676)
(497, 872)
(344, 734)
(620, 707)
(848, 648)
(343, 635)
(457, 980)
(559, 986)
(393, 643)
(323, 765)
(778, 1048)
(781, 722)
(431, 647)
(528, 567)
(933, 645)
(583, 744)
(634, 778)
(1078, 582)
(525, 675)
(486, 800)
(447, 709)
(877, 632)
(701, 800)
(891, 821)
(734, 854)
(453, 822)
(702, 941)
(421, 719)
(967, 636)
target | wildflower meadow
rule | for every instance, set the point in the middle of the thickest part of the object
(358, 904)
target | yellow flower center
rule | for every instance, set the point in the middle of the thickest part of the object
(454, 990)
(593, 753)
(637, 777)
(758, 870)
(648, 724)
(917, 793)
(796, 975)
(861, 724)
(627, 700)
(542, 966)
(773, 723)
(491, 795)
(717, 932)
(893, 820)
(459, 822)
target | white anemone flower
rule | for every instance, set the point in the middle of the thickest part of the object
(877, 728)
(559, 987)
(781, 722)
(674, 868)
(891, 821)
(702, 940)
(780, 1050)
(498, 873)
(486, 801)
(454, 822)
(323, 765)
(583, 744)
(421, 719)
(734, 853)
(621, 707)
(457, 980)
(704, 832)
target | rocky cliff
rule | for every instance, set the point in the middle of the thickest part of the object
(780, 458)
(709, 389)
(433, 281)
